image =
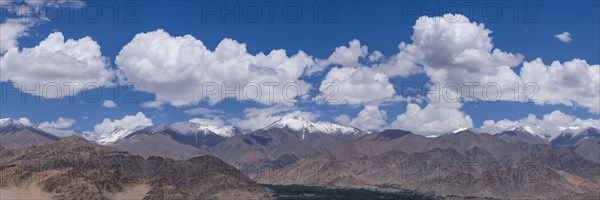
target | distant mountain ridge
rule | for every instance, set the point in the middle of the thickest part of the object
(300, 124)
(349, 157)
(183, 128)
(14, 134)
(584, 142)
(523, 134)
(110, 137)
(179, 141)
(286, 134)
(289, 135)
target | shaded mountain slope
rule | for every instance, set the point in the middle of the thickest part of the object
(585, 143)
(14, 134)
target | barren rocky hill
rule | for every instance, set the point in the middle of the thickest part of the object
(70, 168)
(461, 165)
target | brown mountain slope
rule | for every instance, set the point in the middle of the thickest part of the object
(158, 145)
(272, 143)
(462, 164)
(442, 171)
(98, 170)
(25, 138)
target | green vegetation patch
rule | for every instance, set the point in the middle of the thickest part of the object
(291, 192)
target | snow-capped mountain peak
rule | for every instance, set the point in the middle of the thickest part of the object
(110, 137)
(4, 122)
(460, 129)
(328, 127)
(13, 124)
(298, 123)
(293, 122)
(571, 132)
(535, 130)
(574, 130)
(183, 128)
(8, 122)
(191, 128)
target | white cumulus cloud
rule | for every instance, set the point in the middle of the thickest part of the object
(109, 104)
(349, 56)
(437, 118)
(348, 85)
(370, 118)
(257, 118)
(208, 121)
(400, 65)
(56, 68)
(206, 112)
(153, 104)
(572, 83)
(60, 123)
(11, 30)
(356, 82)
(25, 121)
(461, 51)
(550, 124)
(181, 70)
(453, 50)
(127, 122)
(564, 37)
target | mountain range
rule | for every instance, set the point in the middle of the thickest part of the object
(75, 169)
(14, 134)
(520, 162)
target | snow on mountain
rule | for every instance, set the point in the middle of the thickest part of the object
(573, 130)
(532, 129)
(327, 127)
(583, 141)
(294, 122)
(5, 122)
(18, 124)
(569, 132)
(183, 128)
(460, 129)
(8, 122)
(191, 128)
(110, 137)
(298, 123)
(535, 130)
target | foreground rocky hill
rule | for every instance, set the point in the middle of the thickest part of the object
(74, 169)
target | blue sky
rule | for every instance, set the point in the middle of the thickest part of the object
(381, 26)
